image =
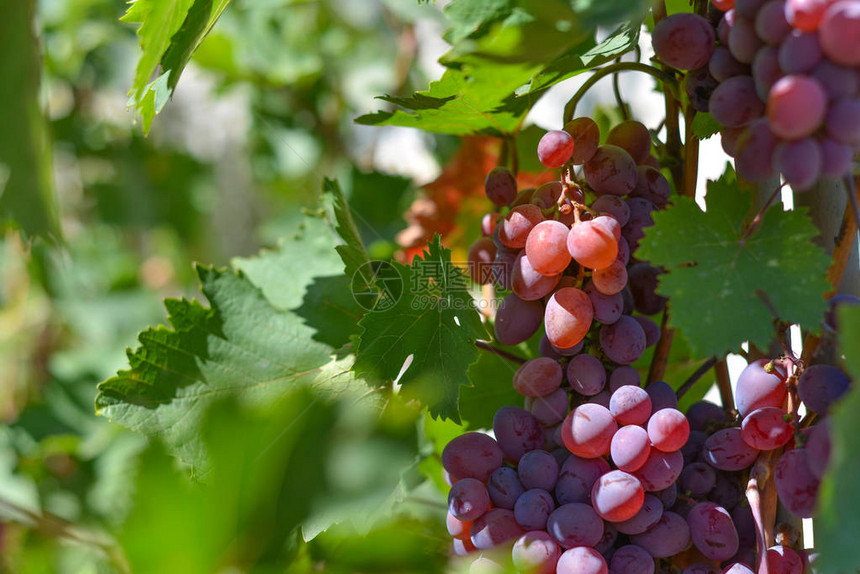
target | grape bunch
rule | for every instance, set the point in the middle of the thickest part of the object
(781, 76)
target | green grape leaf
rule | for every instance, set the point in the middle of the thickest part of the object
(352, 252)
(430, 328)
(838, 514)
(170, 32)
(724, 288)
(705, 126)
(26, 193)
(240, 345)
(491, 388)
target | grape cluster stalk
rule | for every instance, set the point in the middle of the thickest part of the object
(595, 472)
(781, 76)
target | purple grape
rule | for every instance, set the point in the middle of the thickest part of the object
(500, 186)
(575, 524)
(607, 541)
(468, 499)
(699, 85)
(660, 470)
(610, 171)
(754, 152)
(669, 536)
(614, 206)
(538, 469)
(517, 432)
(799, 53)
(632, 137)
(698, 479)
(651, 329)
(843, 121)
(668, 495)
(684, 41)
(770, 23)
(504, 487)
(581, 560)
(735, 102)
(652, 185)
(724, 28)
(743, 40)
(713, 531)
(704, 414)
(535, 552)
(623, 341)
(527, 283)
(723, 65)
(662, 396)
(760, 384)
(749, 8)
(836, 158)
(577, 477)
(631, 559)
(726, 491)
(818, 447)
(744, 522)
(586, 375)
(692, 450)
(726, 450)
(624, 376)
(494, 528)
(766, 71)
(800, 162)
(517, 320)
(532, 509)
(472, 455)
(648, 515)
(643, 281)
(503, 264)
(607, 308)
(538, 377)
(837, 81)
(549, 410)
(547, 195)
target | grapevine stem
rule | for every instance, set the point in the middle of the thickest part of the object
(760, 215)
(487, 346)
(688, 384)
(616, 89)
(515, 156)
(669, 82)
(661, 352)
(852, 198)
(724, 384)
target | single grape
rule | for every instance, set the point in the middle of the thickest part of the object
(771, 24)
(796, 106)
(726, 450)
(630, 448)
(820, 386)
(624, 376)
(783, 560)
(592, 244)
(527, 283)
(518, 223)
(489, 222)
(517, 431)
(729, 140)
(623, 341)
(535, 552)
(766, 71)
(668, 429)
(669, 536)
(805, 15)
(760, 384)
(651, 329)
(503, 266)
(843, 121)
(500, 186)
(723, 65)
(457, 528)
(575, 524)
(517, 320)
(555, 148)
(684, 41)
(735, 102)
(630, 405)
(662, 396)
(481, 257)
(607, 308)
(800, 162)
(651, 185)
(698, 479)
(660, 470)
(839, 32)
(754, 152)
(587, 431)
(504, 487)
(468, 499)
(568, 317)
(463, 547)
(726, 491)
(692, 449)
(796, 485)
(631, 559)
(550, 409)
(799, 53)
(538, 377)
(532, 509)
(632, 137)
(724, 28)
(713, 531)
(617, 496)
(818, 447)
(767, 428)
(538, 469)
(704, 414)
(744, 522)
(610, 171)
(581, 560)
(643, 279)
(838, 81)
(614, 206)
(610, 280)
(586, 137)
(743, 40)
(577, 477)
(586, 374)
(472, 455)
(667, 496)
(547, 195)
(494, 528)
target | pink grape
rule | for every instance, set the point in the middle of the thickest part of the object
(617, 496)
(581, 560)
(630, 448)
(494, 528)
(536, 552)
(760, 384)
(527, 283)
(805, 15)
(630, 405)
(783, 560)
(668, 430)
(457, 528)
(592, 244)
(555, 148)
(767, 428)
(538, 377)
(546, 247)
(796, 106)
(735, 102)
(587, 431)
(463, 547)
(839, 32)
(515, 228)
(568, 317)
(610, 280)
(684, 41)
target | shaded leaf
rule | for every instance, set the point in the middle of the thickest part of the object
(491, 388)
(721, 283)
(705, 126)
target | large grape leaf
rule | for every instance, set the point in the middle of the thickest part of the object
(26, 194)
(838, 515)
(170, 32)
(430, 330)
(722, 285)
